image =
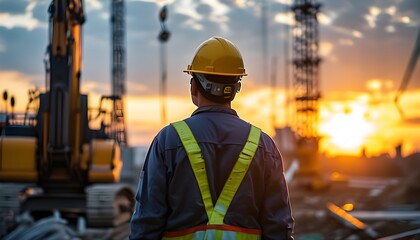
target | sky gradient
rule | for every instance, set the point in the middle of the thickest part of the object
(365, 48)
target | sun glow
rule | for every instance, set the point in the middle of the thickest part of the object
(348, 130)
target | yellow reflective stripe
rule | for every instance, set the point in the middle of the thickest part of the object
(236, 176)
(197, 163)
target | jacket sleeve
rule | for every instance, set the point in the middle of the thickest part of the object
(275, 215)
(149, 217)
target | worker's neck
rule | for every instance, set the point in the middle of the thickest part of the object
(202, 102)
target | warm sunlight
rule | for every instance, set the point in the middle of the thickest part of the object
(346, 131)
(348, 124)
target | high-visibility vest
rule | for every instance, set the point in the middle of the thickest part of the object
(215, 228)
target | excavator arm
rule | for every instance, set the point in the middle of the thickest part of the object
(63, 115)
(408, 73)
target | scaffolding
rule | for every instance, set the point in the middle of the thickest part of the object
(306, 63)
(118, 69)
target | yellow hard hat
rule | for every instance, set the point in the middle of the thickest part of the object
(217, 56)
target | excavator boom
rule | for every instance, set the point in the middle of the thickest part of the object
(408, 73)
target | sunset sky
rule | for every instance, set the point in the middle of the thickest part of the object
(365, 47)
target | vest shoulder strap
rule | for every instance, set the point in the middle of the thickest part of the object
(217, 214)
(197, 163)
(236, 176)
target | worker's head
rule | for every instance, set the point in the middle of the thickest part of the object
(217, 69)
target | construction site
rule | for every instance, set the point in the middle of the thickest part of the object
(69, 166)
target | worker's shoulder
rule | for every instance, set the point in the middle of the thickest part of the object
(166, 137)
(168, 131)
(266, 143)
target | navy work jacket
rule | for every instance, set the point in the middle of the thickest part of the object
(169, 199)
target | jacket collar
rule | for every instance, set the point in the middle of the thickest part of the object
(214, 108)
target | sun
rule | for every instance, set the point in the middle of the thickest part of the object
(345, 128)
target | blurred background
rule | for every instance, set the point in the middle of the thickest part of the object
(334, 82)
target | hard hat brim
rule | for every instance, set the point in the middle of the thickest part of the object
(215, 73)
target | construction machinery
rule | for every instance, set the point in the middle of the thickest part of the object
(407, 74)
(55, 161)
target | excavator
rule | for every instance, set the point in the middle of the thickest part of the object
(56, 161)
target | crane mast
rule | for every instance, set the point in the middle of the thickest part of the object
(306, 63)
(118, 69)
(306, 67)
(118, 48)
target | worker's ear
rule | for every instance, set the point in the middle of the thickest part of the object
(194, 91)
(238, 87)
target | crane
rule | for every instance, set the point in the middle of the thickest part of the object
(118, 70)
(306, 63)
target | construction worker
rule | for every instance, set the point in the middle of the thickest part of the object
(213, 175)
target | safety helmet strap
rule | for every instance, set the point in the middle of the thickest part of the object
(225, 90)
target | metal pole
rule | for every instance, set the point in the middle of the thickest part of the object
(163, 38)
(163, 83)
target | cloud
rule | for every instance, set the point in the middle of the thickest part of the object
(404, 19)
(347, 15)
(218, 8)
(240, 3)
(410, 9)
(285, 18)
(371, 17)
(21, 19)
(325, 48)
(188, 8)
(218, 14)
(200, 16)
(93, 5)
(40, 11)
(288, 2)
